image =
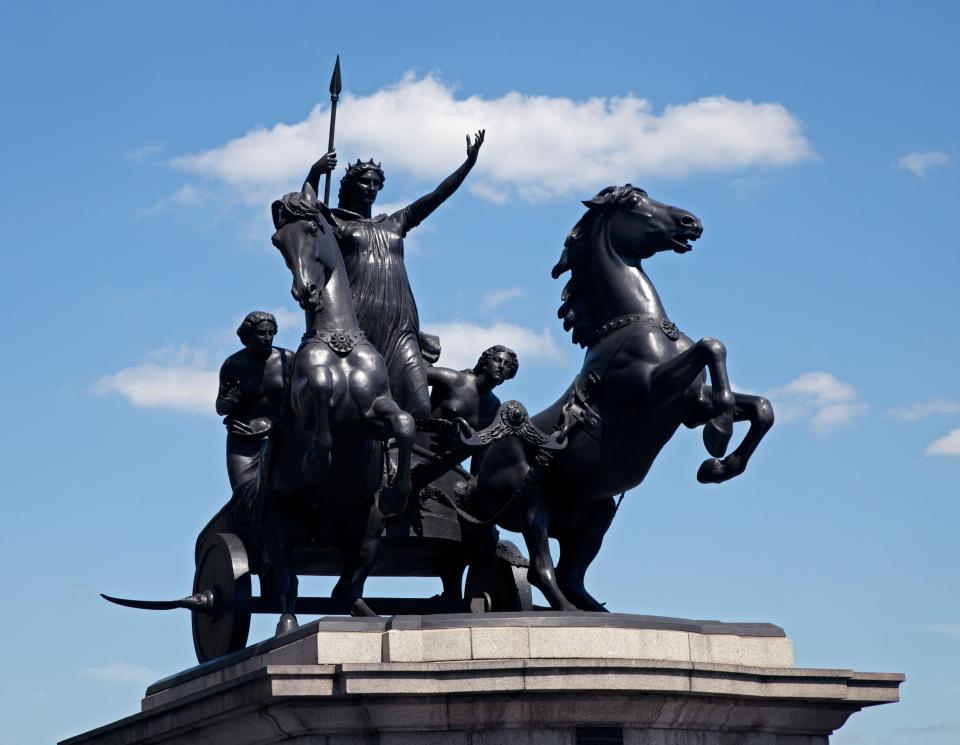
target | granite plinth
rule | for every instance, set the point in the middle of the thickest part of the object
(505, 679)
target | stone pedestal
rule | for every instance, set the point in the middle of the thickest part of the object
(505, 679)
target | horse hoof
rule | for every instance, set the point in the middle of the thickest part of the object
(286, 624)
(716, 435)
(711, 471)
(360, 608)
(391, 501)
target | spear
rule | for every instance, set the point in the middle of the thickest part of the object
(335, 88)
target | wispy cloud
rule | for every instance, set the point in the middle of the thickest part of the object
(951, 630)
(187, 196)
(493, 299)
(602, 140)
(179, 379)
(819, 397)
(918, 163)
(142, 153)
(949, 444)
(923, 409)
(120, 672)
(463, 342)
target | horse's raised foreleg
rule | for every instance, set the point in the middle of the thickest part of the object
(401, 426)
(754, 409)
(310, 397)
(579, 547)
(672, 377)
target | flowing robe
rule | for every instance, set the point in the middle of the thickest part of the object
(386, 310)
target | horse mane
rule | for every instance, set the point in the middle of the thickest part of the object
(299, 206)
(575, 307)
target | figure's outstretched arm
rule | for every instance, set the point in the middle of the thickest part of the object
(421, 209)
(325, 165)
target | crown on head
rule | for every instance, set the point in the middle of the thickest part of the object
(355, 169)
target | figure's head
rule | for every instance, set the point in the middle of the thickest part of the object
(257, 331)
(360, 185)
(498, 363)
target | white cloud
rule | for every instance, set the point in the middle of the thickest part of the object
(176, 379)
(819, 397)
(537, 147)
(185, 378)
(923, 409)
(493, 299)
(919, 163)
(949, 444)
(120, 672)
(463, 342)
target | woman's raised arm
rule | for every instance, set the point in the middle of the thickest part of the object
(418, 211)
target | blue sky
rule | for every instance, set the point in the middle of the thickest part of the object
(142, 145)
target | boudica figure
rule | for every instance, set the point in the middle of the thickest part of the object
(252, 386)
(373, 251)
(468, 394)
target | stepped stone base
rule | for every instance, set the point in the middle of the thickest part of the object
(505, 679)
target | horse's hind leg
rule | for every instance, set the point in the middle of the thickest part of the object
(358, 561)
(754, 409)
(673, 376)
(579, 546)
(536, 520)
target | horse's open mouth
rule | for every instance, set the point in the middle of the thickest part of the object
(682, 244)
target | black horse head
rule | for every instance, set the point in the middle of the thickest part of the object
(306, 238)
(622, 226)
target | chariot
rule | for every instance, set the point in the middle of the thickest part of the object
(429, 540)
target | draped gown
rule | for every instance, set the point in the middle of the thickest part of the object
(386, 310)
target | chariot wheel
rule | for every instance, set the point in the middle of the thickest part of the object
(223, 570)
(501, 584)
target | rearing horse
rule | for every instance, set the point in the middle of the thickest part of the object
(641, 379)
(340, 404)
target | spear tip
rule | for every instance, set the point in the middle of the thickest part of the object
(335, 84)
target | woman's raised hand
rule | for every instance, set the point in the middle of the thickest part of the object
(474, 148)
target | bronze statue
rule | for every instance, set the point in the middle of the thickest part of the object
(323, 459)
(252, 385)
(372, 249)
(641, 379)
(468, 394)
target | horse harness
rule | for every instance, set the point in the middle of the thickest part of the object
(341, 341)
(668, 327)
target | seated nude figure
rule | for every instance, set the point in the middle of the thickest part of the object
(468, 394)
(252, 386)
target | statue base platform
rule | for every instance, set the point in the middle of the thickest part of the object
(540, 678)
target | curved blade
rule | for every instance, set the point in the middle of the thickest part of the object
(145, 604)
